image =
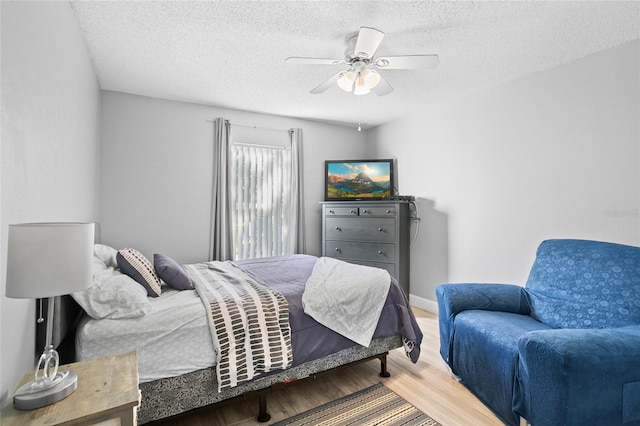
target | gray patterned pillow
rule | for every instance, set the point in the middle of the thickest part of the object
(138, 267)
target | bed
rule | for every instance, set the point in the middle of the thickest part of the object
(180, 349)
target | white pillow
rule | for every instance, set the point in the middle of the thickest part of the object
(106, 254)
(113, 295)
(97, 266)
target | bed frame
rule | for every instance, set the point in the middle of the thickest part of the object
(176, 395)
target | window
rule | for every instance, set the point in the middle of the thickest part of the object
(261, 200)
(256, 199)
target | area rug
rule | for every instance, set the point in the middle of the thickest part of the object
(376, 405)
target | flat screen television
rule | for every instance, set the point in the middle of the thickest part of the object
(358, 180)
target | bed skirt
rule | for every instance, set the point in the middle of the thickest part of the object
(175, 395)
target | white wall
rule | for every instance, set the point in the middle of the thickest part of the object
(156, 161)
(49, 147)
(553, 155)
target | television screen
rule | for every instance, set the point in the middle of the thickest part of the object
(358, 179)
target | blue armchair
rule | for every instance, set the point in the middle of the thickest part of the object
(564, 349)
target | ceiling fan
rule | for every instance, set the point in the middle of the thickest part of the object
(362, 76)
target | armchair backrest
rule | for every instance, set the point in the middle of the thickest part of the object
(585, 284)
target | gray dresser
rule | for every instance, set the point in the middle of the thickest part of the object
(374, 233)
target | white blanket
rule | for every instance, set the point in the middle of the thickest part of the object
(346, 298)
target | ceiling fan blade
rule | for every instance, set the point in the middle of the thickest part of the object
(407, 62)
(368, 41)
(314, 61)
(327, 84)
(382, 88)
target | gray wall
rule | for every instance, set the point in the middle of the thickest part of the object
(156, 161)
(553, 155)
(49, 147)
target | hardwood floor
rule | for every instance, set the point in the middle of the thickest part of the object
(428, 385)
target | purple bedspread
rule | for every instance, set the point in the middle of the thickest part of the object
(310, 340)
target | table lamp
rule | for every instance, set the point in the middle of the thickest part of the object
(48, 260)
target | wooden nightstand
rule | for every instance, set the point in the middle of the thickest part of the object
(107, 392)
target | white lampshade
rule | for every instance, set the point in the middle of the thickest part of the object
(48, 259)
(370, 77)
(361, 88)
(345, 82)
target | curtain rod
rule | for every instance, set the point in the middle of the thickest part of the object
(252, 126)
(278, 147)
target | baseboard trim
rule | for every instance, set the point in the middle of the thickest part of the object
(422, 303)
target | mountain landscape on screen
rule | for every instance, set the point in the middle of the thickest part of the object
(350, 182)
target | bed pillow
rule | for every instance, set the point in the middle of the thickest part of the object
(97, 266)
(106, 254)
(113, 295)
(138, 267)
(171, 272)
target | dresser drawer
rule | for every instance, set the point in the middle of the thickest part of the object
(389, 211)
(372, 229)
(341, 211)
(353, 210)
(374, 252)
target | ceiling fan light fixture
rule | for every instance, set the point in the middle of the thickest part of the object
(370, 77)
(362, 75)
(345, 81)
(361, 86)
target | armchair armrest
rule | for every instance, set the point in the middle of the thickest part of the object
(455, 298)
(580, 376)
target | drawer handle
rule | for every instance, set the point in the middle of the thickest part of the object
(337, 250)
(380, 252)
(338, 228)
(352, 211)
(380, 229)
(331, 212)
(388, 211)
(365, 211)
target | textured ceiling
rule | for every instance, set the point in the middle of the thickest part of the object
(231, 53)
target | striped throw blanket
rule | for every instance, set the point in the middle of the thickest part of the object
(249, 322)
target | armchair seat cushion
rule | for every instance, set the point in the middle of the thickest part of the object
(487, 358)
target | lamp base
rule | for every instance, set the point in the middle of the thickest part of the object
(39, 394)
